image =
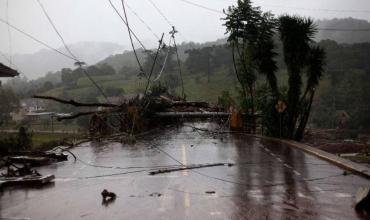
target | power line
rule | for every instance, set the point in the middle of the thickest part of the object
(124, 21)
(282, 6)
(153, 65)
(173, 32)
(142, 21)
(319, 9)
(161, 13)
(342, 29)
(9, 34)
(322, 29)
(37, 40)
(78, 62)
(130, 36)
(164, 62)
(202, 6)
(56, 30)
(312, 9)
(167, 20)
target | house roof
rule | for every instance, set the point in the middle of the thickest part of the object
(6, 71)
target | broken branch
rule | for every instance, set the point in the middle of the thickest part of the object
(79, 114)
(74, 103)
(188, 168)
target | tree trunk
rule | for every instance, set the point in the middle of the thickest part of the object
(295, 82)
(303, 123)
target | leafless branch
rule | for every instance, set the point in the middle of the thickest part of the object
(74, 103)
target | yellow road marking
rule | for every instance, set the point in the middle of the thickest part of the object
(185, 173)
(184, 160)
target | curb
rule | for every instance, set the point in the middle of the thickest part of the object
(340, 162)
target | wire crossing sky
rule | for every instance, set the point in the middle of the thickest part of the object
(94, 20)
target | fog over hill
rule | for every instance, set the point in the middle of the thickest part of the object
(38, 64)
(336, 33)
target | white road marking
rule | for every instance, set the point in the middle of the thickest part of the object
(304, 196)
(318, 189)
(187, 200)
(342, 195)
(215, 213)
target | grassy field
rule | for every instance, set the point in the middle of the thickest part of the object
(361, 158)
(57, 126)
(46, 141)
(43, 141)
(196, 86)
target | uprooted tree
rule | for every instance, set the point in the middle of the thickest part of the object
(251, 37)
(130, 116)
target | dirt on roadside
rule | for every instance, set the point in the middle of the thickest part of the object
(339, 141)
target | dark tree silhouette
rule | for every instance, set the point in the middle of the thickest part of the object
(251, 36)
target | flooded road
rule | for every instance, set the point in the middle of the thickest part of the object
(268, 181)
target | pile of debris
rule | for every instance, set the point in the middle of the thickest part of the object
(36, 158)
(21, 173)
(134, 115)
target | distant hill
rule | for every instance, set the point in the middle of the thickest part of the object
(128, 59)
(349, 37)
(38, 64)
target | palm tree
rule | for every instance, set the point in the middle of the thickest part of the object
(315, 70)
(251, 36)
(296, 34)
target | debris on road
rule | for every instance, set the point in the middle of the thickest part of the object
(155, 194)
(16, 175)
(190, 167)
(210, 192)
(30, 180)
(108, 195)
(33, 161)
(35, 158)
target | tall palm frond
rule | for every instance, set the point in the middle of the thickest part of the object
(296, 33)
(315, 64)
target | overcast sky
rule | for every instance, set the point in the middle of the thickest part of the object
(95, 20)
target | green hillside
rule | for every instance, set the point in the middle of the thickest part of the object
(196, 86)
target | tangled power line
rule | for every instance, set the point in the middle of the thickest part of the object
(78, 62)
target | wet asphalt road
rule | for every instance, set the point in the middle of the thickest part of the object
(268, 181)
